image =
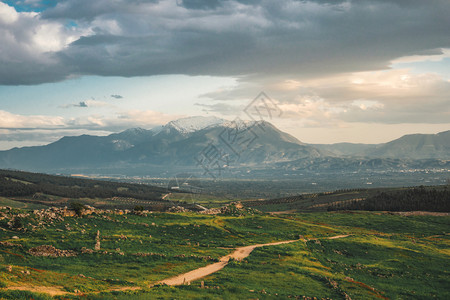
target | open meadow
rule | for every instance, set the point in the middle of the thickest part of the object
(336, 255)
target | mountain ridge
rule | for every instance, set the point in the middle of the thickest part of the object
(245, 143)
(194, 142)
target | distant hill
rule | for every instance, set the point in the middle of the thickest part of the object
(358, 164)
(423, 198)
(35, 190)
(346, 149)
(413, 199)
(413, 146)
(25, 184)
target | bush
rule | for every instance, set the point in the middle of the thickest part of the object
(78, 208)
(138, 208)
(17, 223)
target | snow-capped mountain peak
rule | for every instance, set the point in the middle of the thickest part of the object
(192, 124)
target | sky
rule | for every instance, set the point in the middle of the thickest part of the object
(362, 71)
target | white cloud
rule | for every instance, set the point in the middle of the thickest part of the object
(389, 96)
(20, 130)
(8, 15)
(14, 121)
(29, 44)
(367, 104)
(119, 121)
(146, 118)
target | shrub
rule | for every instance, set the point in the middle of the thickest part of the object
(138, 208)
(78, 208)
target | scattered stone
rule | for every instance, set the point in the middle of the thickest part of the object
(8, 244)
(232, 209)
(178, 209)
(85, 250)
(149, 254)
(48, 250)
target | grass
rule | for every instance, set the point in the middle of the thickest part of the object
(276, 271)
(384, 255)
(14, 295)
(18, 204)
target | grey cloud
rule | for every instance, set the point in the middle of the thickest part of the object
(213, 4)
(292, 42)
(88, 10)
(201, 4)
(81, 104)
(29, 72)
(117, 96)
(265, 38)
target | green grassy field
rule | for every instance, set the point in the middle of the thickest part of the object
(383, 256)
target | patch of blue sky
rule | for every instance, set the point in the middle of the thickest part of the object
(441, 67)
(31, 5)
(71, 24)
(171, 94)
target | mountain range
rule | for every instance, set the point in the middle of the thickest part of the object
(209, 142)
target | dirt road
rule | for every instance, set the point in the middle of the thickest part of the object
(239, 254)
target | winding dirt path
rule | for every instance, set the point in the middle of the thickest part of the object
(239, 254)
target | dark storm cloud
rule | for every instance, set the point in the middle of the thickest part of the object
(234, 37)
(89, 10)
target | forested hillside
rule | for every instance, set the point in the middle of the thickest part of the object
(416, 199)
(24, 184)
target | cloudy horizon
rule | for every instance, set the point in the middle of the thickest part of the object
(340, 71)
